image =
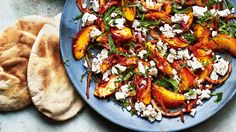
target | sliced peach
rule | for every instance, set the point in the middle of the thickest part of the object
(223, 42)
(107, 88)
(190, 20)
(208, 69)
(198, 31)
(105, 66)
(167, 98)
(186, 77)
(175, 42)
(144, 94)
(189, 2)
(122, 34)
(128, 61)
(102, 38)
(161, 62)
(81, 42)
(159, 15)
(167, 8)
(129, 12)
(199, 3)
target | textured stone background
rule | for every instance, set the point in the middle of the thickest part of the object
(30, 120)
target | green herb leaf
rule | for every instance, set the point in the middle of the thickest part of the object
(82, 77)
(219, 96)
(128, 75)
(174, 83)
(78, 17)
(190, 37)
(190, 92)
(147, 23)
(113, 49)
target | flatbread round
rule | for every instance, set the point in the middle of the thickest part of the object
(49, 85)
(15, 46)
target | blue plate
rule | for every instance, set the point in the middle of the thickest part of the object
(113, 112)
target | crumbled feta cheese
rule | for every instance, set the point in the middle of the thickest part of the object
(162, 47)
(118, 68)
(189, 96)
(141, 68)
(177, 18)
(214, 33)
(88, 19)
(167, 30)
(95, 33)
(125, 88)
(85, 64)
(221, 67)
(95, 5)
(139, 106)
(199, 11)
(142, 53)
(206, 94)
(183, 54)
(213, 12)
(129, 108)
(199, 102)
(119, 23)
(232, 10)
(144, 82)
(170, 58)
(193, 112)
(120, 95)
(113, 14)
(148, 112)
(152, 63)
(84, 5)
(153, 71)
(195, 64)
(105, 75)
(214, 75)
(97, 62)
(178, 31)
(224, 13)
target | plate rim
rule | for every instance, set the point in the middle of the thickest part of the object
(69, 73)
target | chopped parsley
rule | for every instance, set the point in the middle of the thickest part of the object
(190, 37)
(219, 96)
(168, 83)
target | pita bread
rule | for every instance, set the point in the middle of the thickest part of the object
(15, 46)
(49, 85)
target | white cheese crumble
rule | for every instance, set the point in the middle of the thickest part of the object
(214, 33)
(193, 112)
(95, 5)
(123, 93)
(142, 53)
(214, 75)
(153, 71)
(184, 54)
(95, 33)
(195, 64)
(144, 82)
(88, 19)
(221, 67)
(142, 69)
(148, 112)
(105, 75)
(116, 68)
(199, 11)
(119, 23)
(224, 13)
(113, 14)
(206, 94)
(162, 48)
(177, 18)
(97, 61)
(167, 30)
